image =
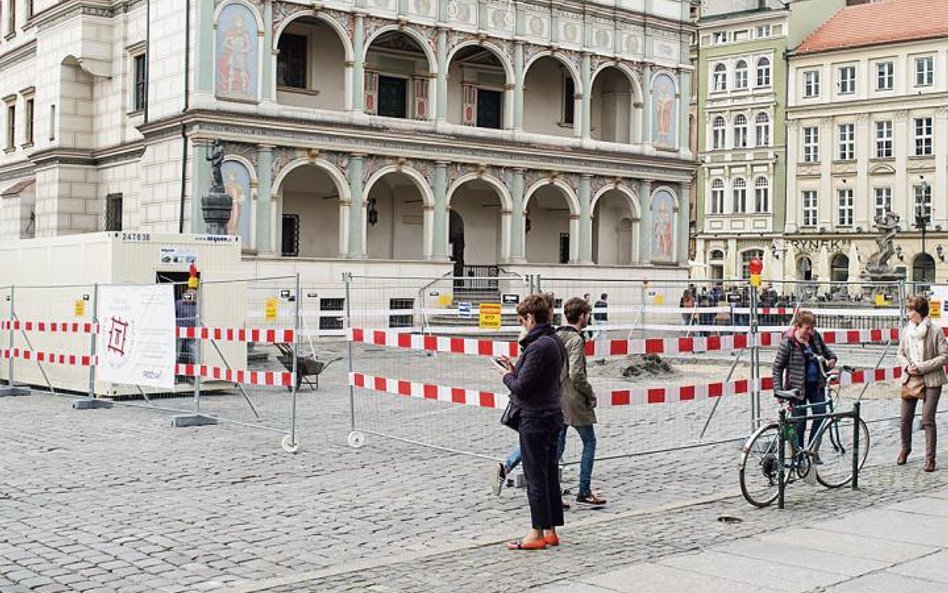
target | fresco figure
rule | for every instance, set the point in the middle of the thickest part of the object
(663, 227)
(236, 52)
(663, 127)
(237, 186)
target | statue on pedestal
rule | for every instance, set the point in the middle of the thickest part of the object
(217, 204)
(878, 262)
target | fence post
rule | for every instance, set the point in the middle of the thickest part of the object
(292, 446)
(91, 402)
(355, 438)
(12, 388)
(903, 296)
(755, 361)
(856, 422)
(781, 457)
(196, 419)
(643, 292)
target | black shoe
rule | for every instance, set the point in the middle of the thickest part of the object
(591, 499)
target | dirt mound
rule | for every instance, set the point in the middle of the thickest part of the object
(632, 366)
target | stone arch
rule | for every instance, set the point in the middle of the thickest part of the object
(502, 192)
(571, 199)
(630, 197)
(426, 194)
(634, 80)
(671, 74)
(573, 71)
(417, 37)
(313, 204)
(242, 212)
(253, 10)
(497, 51)
(669, 189)
(333, 24)
(335, 174)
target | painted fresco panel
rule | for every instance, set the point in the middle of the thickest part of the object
(237, 186)
(664, 117)
(237, 53)
(663, 227)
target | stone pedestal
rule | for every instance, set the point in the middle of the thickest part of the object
(216, 207)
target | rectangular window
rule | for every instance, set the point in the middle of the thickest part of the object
(923, 136)
(845, 212)
(719, 37)
(489, 108)
(332, 304)
(763, 31)
(141, 82)
(11, 127)
(883, 139)
(393, 97)
(883, 201)
(405, 319)
(847, 142)
(809, 208)
(811, 144)
(811, 83)
(113, 212)
(569, 98)
(885, 76)
(11, 18)
(291, 61)
(52, 123)
(925, 71)
(290, 237)
(564, 248)
(923, 201)
(847, 80)
(29, 122)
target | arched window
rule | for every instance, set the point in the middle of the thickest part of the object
(740, 195)
(718, 133)
(761, 195)
(763, 72)
(740, 131)
(923, 268)
(716, 255)
(762, 122)
(839, 269)
(717, 196)
(719, 79)
(746, 258)
(740, 74)
(804, 268)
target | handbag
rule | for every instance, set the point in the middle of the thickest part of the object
(511, 416)
(914, 387)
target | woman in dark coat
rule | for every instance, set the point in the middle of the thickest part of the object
(535, 386)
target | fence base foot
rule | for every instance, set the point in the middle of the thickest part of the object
(192, 420)
(91, 404)
(12, 390)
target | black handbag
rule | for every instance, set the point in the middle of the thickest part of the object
(511, 416)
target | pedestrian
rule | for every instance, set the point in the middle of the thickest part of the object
(923, 352)
(686, 302)
(185, 312)
(601, 315)
(579, 399)
(796, 367)
(534, 385)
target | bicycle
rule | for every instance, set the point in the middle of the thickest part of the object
(827, 458)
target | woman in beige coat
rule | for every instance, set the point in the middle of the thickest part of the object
(923, 351)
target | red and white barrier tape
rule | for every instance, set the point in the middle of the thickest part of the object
(634, 396)
(473, 346)
(63, 327)
(49, 357)
(265, 336)
(269, 378)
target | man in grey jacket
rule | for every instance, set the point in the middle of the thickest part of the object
(579, 399)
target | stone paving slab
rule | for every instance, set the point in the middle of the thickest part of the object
(798, 555)
(771, 574)
(887, 582)
(892, 525)
(658, 578)
(932, 567)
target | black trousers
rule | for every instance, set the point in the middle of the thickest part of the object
(539, 439)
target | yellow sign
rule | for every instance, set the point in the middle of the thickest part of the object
(445, 300)
(880, 299)
(755, 280)
(80, 308)
(934, 309)
(270, 309)
(659, 299)
(490, 316)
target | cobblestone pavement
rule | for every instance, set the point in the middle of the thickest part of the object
(119, 501)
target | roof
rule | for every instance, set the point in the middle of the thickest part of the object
(889, 21)
(17, 188)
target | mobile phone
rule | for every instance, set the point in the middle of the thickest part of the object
(499, 363)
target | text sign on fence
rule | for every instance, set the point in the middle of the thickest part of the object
(136, 339)
(489, 315)
(270, 309)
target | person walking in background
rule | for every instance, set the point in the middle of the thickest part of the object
(601, 315)
(923, 352)
(796, 367)
(579, 399)
(534, 384)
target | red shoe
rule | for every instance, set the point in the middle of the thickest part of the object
(552, 540)
(537, 544)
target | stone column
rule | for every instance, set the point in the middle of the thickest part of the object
(200, 183)
(586, 102)
(585, 219)
(684, 227)
(357, 210)
(358, 65)
(441, 113)
(518, 87)
(647, 104)
(517, 230)
(268, 86)
(204, 31)
(940, 182)
(645, 224)
(574, 231)
(684, 101)
(439, 245)
(264, 242)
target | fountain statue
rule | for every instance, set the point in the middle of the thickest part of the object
(878, 272)
(216, 205)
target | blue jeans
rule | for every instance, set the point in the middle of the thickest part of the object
(588, 435)
(514, 458)
(813, 394)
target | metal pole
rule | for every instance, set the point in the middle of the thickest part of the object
(92, 339)
(12, 383)
(196, 348)
(717, 400)
(296, 341)
(755, 361)
(865, 385)
(781, 457)
(352, 419)
(856, 423)
(644, 317)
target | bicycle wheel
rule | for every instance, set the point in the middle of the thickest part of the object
(834, 451)
(760, 466)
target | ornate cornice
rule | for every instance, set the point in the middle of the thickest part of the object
(17, 55)
(18, 171)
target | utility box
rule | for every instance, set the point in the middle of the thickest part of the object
(56, 280)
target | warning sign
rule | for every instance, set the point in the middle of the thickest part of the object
(80, 308)
(490, 316)
(271, 308)
(445, 300)
(934, 309)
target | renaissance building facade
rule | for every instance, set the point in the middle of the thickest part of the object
(416, 136)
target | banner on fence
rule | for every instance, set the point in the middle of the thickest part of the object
(136, 339)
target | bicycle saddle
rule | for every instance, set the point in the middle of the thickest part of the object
(788, 394)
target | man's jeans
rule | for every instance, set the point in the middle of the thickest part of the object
(813, 394)
(588, 436)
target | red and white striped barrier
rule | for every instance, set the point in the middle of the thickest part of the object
(62, 327)
(269, 378)
(49, 357)
(634, 396)
(263, 336)
(476, 347)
